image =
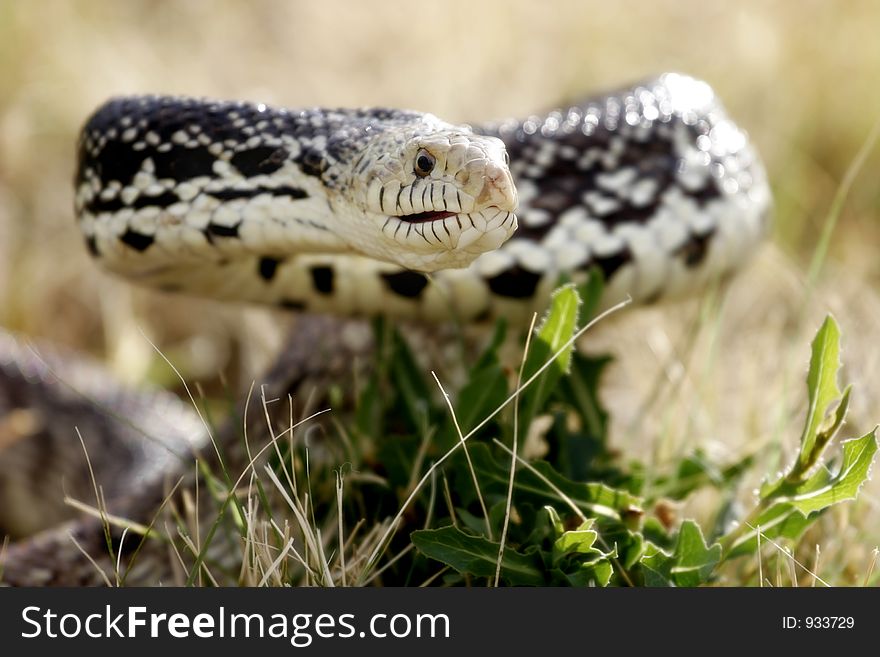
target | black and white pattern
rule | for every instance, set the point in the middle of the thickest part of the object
(652, 185)
(166, 182)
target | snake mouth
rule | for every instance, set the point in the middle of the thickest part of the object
(444, 240)
(424, 217)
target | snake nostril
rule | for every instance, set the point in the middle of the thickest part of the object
(497, 188)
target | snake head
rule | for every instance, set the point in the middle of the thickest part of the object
(430, 195)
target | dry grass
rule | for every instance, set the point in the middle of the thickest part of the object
(726, 372)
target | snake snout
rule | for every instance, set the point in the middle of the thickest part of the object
(498, 188)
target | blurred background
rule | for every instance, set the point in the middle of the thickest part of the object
(725, 372)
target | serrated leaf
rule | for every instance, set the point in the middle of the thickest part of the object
(821, 424)
(695, 559)
(795, 507)
(691, 563)
(477, 556)
(557, 328)
(577, 541)
(817, 493)
(576, 559)
(821, 383)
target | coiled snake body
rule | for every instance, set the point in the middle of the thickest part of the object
(359, 212)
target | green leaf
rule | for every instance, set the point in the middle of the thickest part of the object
(821, 425)
(691, 563)
(777, 522)
(591, 293)
(580, 390)
(577, 541)
(484, 392)
(695, 561)
(794, 508)
(368, 411)
(654, 578)
(633, 549)
(558, 327)
(819, 492)
(697, 471)
(575, 560)
(821, 384)
(590, 497)
(789, 504)
(555, 520)
(594, 572)
(409, 382)
(548, 486)
(789, 514)
(477, 556)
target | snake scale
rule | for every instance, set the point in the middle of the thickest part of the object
(356, 213)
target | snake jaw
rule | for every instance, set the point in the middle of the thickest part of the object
(448, 242)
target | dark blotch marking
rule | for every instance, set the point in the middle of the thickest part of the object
(137, 241)
(322, 279)
(514, 283)
(292, 304)
(311, 162)
(611, 263)
(406, 283)
(116, 161)
(163, 200)
(267, 266)
(221, 231)
(708, 192)
(628, 213)
(181, 163)
(259, 160)
(166, 115)
(562, 183)
(97, 205)
(233, 194)
(694, 250)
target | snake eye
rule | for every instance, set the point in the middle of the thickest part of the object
(506, 158)
(424, 163)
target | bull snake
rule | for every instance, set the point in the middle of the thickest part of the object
(365, 212)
